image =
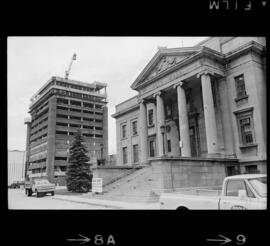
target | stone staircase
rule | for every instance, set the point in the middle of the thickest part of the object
(136, 187)
(116, 179)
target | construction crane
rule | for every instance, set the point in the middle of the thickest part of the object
(69, 68)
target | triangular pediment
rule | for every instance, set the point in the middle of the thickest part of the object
(165, 63)
(162, 61)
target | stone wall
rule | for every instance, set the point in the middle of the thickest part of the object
(261, 166)
(172, 173)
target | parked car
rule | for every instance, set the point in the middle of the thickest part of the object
(16, 184)
(39, 186)
(247, 191)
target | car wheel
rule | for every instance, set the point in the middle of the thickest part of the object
(182, 208)
(38, 194)
(52, 193)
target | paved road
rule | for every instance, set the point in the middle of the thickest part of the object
(18, 200)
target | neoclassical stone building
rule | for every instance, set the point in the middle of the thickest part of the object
(198, 106)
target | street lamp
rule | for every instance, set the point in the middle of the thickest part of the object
(68, 151)
(162, 130)
(101, 151)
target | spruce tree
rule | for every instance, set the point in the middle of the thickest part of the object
(78, 175)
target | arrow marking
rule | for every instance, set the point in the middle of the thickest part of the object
(83, 239)
(223, 241)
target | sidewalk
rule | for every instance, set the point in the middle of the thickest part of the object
(107, 203)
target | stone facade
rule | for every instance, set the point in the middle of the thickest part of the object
(204, 102)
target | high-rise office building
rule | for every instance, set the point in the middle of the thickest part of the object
(58, 110)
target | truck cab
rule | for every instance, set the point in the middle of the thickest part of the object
(39, 186)
(247, 191)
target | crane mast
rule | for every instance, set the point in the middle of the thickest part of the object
(70, 64)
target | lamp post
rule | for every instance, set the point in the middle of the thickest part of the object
(101, 151)
(67, 154)
(162, 130)
(101, 154)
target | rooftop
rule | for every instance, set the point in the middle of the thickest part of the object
(97, 85)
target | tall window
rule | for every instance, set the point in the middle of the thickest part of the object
(246, 130)
(124, 155)
(152, 148)
(124, 131)
(169, 146)
(240, 86)
(135, 153)
(150, 117)
(246, 127)
(134, 128)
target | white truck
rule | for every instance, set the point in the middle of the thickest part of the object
(246, 191)
(39, 186)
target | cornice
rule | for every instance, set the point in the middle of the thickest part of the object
(204, 52)
(250, 46)
(201, 51)
(125, 111)
(161, 52)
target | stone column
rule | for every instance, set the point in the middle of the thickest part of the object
(183, 120)
(143, 133)
(161, 138)
(209, 114)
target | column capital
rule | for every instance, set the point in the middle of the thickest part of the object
(141, 100)
(179, 83)
(157, 94)
(205, 72)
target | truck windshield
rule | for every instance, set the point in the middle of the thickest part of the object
(41, 182)
(259, 185)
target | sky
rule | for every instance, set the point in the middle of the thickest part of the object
(117, 61)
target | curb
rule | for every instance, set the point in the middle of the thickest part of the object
(89, 203)
(108, 205)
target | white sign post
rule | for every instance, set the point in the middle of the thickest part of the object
(97, 185)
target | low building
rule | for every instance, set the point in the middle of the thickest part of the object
(16, 166)
(202, 106)
(58, 110)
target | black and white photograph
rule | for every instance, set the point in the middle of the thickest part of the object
(137, 123)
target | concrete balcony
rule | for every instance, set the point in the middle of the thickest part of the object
(61, 128)
(42, 110)
(59, 173)
(58, 163)
(34, 175)
(32, 145)
(61, 111)
(37, 165)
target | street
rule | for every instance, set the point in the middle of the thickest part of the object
(18, 200)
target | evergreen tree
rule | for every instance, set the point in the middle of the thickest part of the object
(78, 175)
